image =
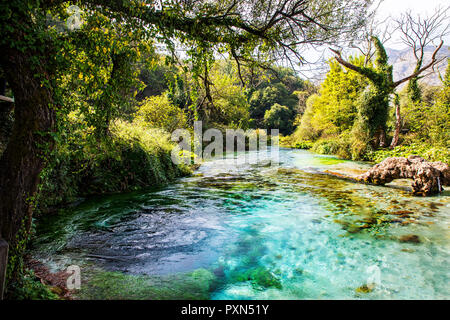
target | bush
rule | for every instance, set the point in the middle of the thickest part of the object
(340, 146)
(426, 151)
(303, 145)
(160, 112)
(132, 157)
(28, 287)
(325, 146)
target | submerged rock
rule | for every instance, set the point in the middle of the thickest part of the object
(365, 288)
(410, 238)
(428, 177)
(259, 276)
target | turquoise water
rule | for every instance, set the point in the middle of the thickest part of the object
(255, 231)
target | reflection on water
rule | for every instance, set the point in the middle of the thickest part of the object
(255, 231)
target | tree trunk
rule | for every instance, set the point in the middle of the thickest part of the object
(398, 126)
(382, 137)
(31, 139)
(428, 177)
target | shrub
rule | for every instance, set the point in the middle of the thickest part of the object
(160, 112)
(340, 146)
(132, 157)
(426, 151)
(28, 287)
(303, 145)
(325, 146)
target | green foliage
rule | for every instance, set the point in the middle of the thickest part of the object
(156, 75)
(102, 64)
(21, 283)
(264, 98)
(193, 285)
(259, 277)
(427, 120)
(373, 103)
(160, 112)
(279, 117)
(414, 91)
(16, 265)
(28, 287)
(426, 151)
(230, 106)
(333, 111)
(351, 109)
(133, 157)
(303, 145)
(339, 146)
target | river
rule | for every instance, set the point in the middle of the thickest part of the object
(256, 231)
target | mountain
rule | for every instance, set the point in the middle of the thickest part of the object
(403, 62)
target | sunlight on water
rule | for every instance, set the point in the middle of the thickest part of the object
(255, 231)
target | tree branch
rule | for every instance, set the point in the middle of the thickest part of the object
(418, 72)
(370, 74)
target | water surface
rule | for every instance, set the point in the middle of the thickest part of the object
(256, 231)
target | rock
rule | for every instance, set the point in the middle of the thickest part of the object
(365, 288)
(402, 212)
(428, 177)
(410, 238)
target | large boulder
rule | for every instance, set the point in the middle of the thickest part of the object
(428, 177)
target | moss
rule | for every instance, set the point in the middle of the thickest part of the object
(258, 277)
(28, 287)
(194, 285)
(329, 161)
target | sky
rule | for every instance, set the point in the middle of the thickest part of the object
(387, 8)
(395, 8)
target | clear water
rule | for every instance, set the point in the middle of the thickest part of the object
(256, 232)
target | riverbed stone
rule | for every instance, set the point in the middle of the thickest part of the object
(410, 238)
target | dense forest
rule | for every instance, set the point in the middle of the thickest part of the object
(99, 86)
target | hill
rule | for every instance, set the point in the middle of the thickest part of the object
(404, 61)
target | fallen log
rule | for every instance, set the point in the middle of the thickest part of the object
(428, 177)
(358, 180)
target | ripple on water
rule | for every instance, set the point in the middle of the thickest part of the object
(261, 232)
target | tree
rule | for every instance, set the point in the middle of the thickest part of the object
(417, 34)
(334, 109)
(279, 117)
(279, 85)
(374, 102)
(35, 56)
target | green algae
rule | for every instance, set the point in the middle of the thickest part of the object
(329, 160)
(107, 285)
(259, 277)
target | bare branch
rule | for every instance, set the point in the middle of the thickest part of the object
(432, 63)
